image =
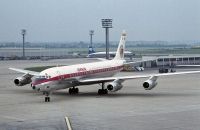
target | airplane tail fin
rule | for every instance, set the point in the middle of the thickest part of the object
(90, 50)
(121, 47)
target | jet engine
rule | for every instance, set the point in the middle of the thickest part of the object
(150, 83)
(23, 80)
(115, 85)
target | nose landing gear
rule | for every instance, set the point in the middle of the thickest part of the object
(47, 98)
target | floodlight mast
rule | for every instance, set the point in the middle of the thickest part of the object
(91, 33)
(107, 23)
(23, 32)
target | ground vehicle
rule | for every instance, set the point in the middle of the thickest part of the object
(166, 70)
(163, 70)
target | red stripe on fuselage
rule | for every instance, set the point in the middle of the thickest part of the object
(82, 73)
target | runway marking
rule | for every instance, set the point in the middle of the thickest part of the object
(68, 123)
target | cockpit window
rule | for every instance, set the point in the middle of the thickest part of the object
(39, 78)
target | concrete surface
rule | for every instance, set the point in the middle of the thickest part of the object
(173, 105)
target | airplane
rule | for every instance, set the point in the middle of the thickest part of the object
(93, 54)
(101, 72)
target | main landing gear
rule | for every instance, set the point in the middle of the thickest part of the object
(73, 90)
(47, 98)
(103, 90)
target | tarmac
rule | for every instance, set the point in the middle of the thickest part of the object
(172, 105)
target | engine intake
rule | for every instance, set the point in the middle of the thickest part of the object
(115, 85)
(150, 83)
(21, 81)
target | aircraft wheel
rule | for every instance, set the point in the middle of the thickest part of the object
(73, 90)
(105, 91)
(76, 90)
(47, 99)
(102, 91)
(70, 91)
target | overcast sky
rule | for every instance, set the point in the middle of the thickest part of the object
(71, 20)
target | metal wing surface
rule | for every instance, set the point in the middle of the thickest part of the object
(109, 79)
(33, 73)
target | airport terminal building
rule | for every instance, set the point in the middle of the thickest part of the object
(170, 60)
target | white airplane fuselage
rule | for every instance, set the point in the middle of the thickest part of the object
(68, 76)
(112, 54)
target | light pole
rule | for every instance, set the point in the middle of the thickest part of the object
(23, 32)
(91, 50)
(91, 33)
(107, 23)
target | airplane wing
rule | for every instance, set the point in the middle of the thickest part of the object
(32, 73)
(123, 78)
(188, 65)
